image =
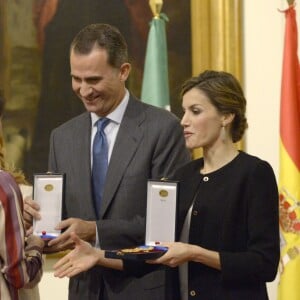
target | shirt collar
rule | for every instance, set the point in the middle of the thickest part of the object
(117, 115)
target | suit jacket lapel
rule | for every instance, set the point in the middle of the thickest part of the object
(82, 154)
(126, 144)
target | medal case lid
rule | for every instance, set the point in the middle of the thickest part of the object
(48, 191)
(160, 222)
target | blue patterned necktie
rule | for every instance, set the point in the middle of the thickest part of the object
(100, 162)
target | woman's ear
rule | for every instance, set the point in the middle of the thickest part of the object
(228, 119)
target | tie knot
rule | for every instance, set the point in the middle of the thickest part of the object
(101, 124)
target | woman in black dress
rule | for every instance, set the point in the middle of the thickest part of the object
(228, 202)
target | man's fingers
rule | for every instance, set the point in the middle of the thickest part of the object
(75, 238)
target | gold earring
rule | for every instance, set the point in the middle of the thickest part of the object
(223, 133)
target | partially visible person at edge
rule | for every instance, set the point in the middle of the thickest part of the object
(228, 246)
(20, 256)
(145, 142)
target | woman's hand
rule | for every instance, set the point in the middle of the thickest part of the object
(180, 253)
(177, 254)
(34, 240)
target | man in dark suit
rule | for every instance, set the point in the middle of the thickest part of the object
(144, 142)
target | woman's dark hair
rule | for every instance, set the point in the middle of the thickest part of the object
(225, 93)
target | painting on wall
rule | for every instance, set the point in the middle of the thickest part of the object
(34, 71)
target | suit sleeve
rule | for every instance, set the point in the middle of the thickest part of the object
(170, 150)
(169, 154)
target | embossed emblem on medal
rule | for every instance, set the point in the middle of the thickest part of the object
(163, 193)
(48, 187)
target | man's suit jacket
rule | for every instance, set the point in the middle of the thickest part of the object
(149, 145)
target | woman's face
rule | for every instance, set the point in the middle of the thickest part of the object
(202, 123)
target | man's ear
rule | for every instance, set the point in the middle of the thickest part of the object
(124, 71)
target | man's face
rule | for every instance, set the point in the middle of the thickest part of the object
(100, 86)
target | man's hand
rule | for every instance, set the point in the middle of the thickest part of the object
(85, 230)
(82, 258)
(31, 211)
